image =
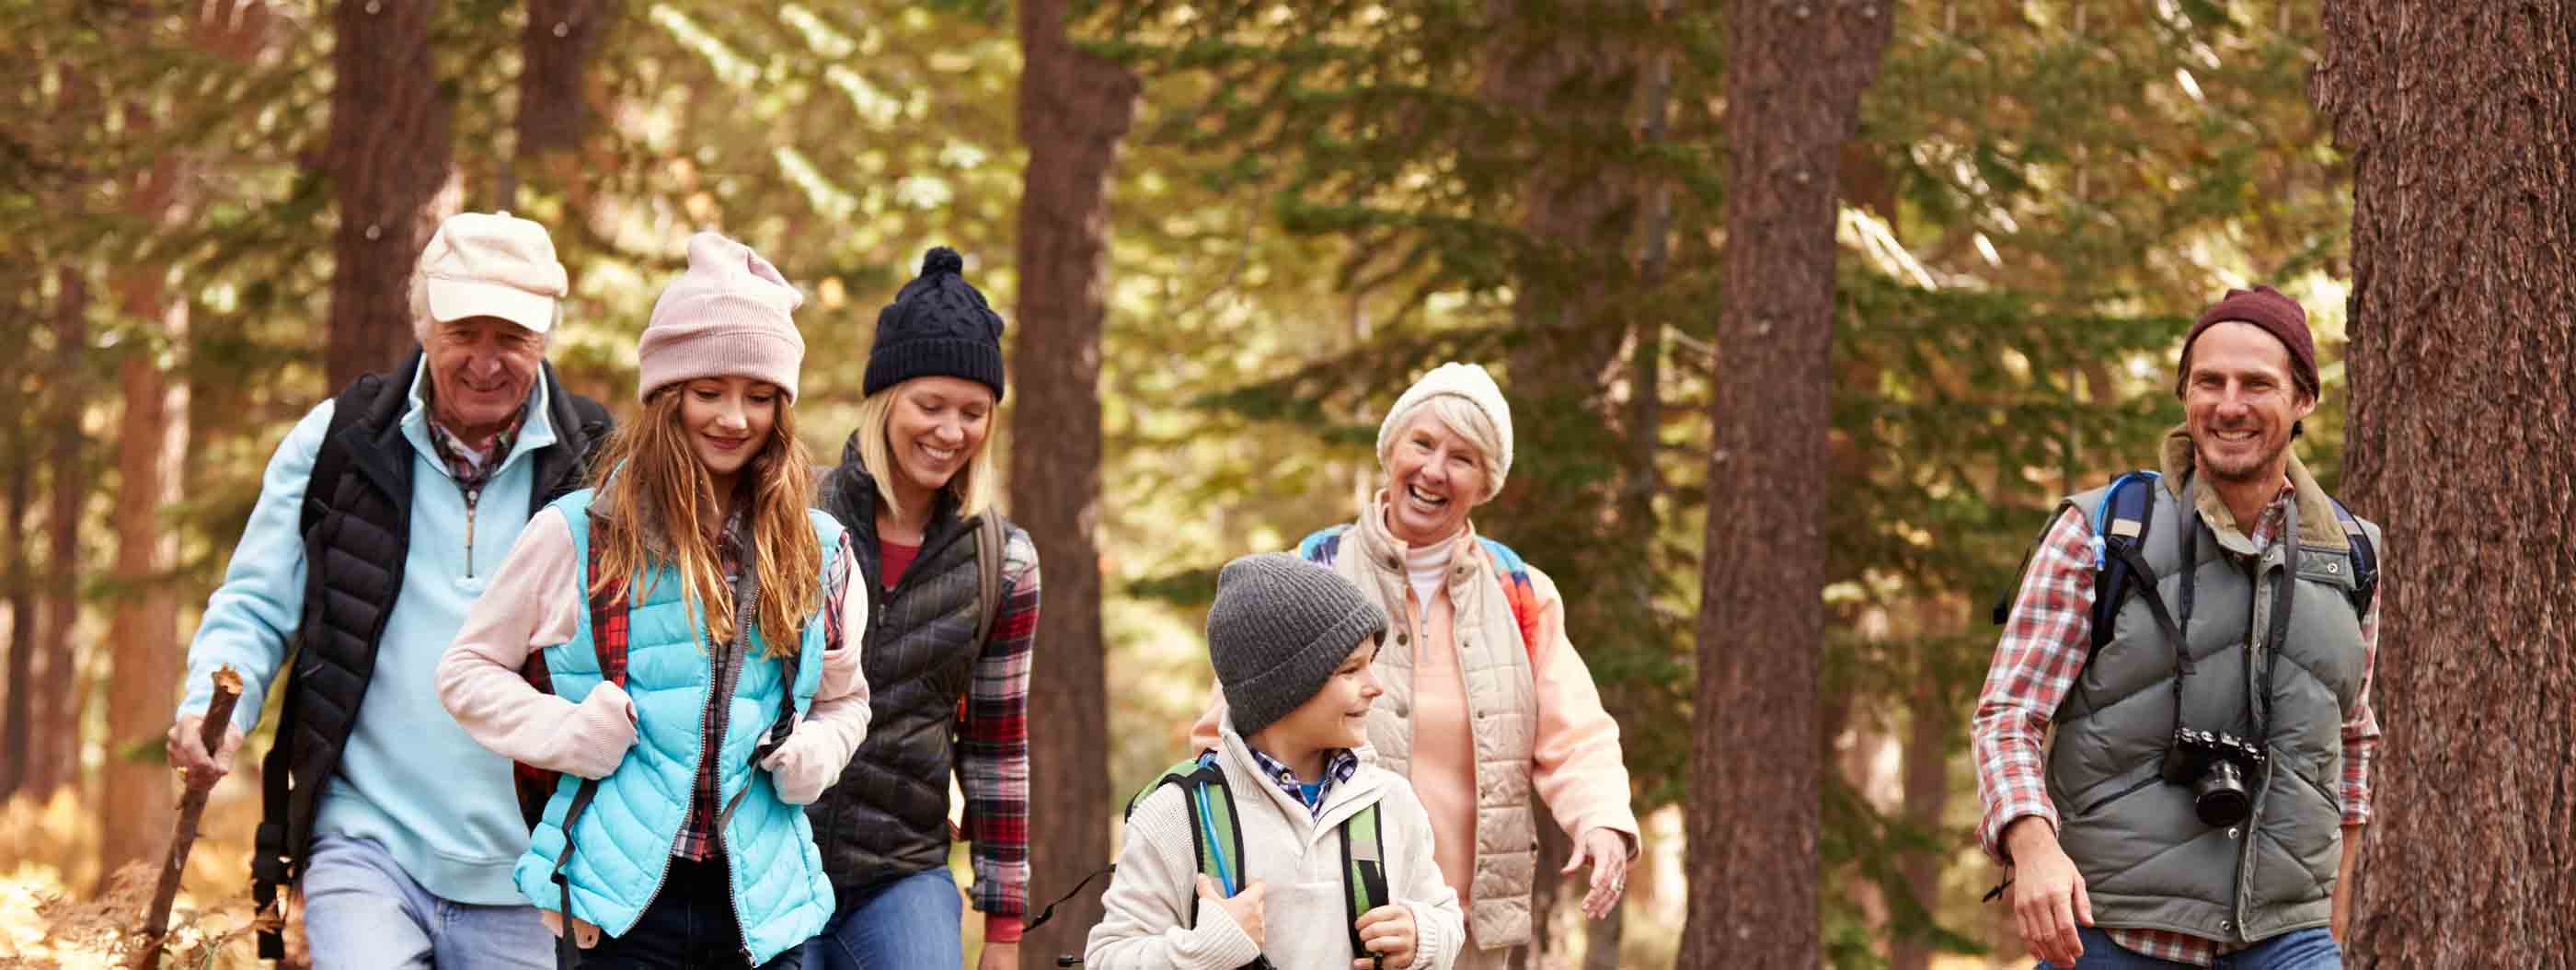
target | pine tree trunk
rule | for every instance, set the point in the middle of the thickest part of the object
(16, 717)
(136, 798)
(1074, 108)
(1927, 796)
(554, 103)
(1794, 76)
(2460, 120)
(388, 159)
(56, 712)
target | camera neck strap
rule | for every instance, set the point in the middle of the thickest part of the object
(2175, 625)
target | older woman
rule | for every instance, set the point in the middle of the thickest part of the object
(1485, 700)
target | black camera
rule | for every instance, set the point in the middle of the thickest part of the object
(2215, 764)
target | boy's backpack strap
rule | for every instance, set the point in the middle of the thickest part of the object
(1363, 870)
(1216, 836)
(2365, 559)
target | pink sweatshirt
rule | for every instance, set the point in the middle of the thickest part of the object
(535, 601)
(1575, 766)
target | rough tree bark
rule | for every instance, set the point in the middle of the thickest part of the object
(2460, 120)
(1794, 76)
(388, 158)
(56, 713)
(1074, 109)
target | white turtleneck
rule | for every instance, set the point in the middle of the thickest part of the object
(1424, 566)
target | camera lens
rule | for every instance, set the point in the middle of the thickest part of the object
(2219, 796)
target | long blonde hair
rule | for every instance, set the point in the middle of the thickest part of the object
(972, 485)
(655, 493)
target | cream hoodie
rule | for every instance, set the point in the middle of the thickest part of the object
(1306, 918)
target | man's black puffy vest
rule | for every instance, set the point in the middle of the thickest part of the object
(888, 815)
(357, 535)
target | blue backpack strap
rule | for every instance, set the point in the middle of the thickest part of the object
(2365, 559)
(1322, 546)
(2121, 522)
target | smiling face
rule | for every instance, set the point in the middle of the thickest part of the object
(1336, 717)
(1435, 476)
(2239, 403)
(935, 429)
(480, 370)
(728, 420)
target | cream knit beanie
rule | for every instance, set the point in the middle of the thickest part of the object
(1468, 382)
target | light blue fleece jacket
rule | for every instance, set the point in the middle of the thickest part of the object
(410, 779)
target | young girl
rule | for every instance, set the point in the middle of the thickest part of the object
(689, 613)
(955, 593)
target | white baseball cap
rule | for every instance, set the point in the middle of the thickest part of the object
(492, 264)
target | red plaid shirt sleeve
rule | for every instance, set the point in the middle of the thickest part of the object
(2046, 638)
(993, 749)
(2361, 726)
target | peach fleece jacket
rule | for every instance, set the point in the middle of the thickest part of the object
(535, 601)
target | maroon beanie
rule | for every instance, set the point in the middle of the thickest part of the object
(2278, 315)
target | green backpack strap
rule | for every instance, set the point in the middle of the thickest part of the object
(1216, 836)
(1363, 870)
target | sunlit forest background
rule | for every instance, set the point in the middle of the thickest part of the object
(1302, 207)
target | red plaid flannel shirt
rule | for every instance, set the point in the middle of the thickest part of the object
(2042, 652)
(993, 749)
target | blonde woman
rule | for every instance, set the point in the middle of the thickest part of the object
(691, 616)
(954, 589)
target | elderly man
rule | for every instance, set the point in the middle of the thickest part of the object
(380, 518)
(2199, 642)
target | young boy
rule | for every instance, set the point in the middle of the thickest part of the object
(1292, 643)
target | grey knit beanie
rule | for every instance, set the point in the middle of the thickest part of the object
(1279, 627)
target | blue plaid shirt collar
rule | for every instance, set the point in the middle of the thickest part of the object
(1339, 766)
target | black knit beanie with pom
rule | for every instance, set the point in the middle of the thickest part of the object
(937, 326)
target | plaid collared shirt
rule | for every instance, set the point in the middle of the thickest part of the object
(2043, 650)
(698, 840)
(473, 469)
(1339, 766)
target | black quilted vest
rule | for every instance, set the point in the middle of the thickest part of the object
(357, 534)
(888, 815)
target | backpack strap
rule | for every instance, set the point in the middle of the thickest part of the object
(1363, 872)
(1216, 836)
(989, 543)
(1322, 546)
(2118, 543)
(1518, 591)
(608, 612)
(2365, 560)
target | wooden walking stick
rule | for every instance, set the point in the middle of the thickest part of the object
(183, 834)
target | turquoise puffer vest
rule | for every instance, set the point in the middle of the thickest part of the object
(780, 893)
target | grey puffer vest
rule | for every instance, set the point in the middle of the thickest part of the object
(2148, 861)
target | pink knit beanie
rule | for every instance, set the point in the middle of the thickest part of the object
(727, 316)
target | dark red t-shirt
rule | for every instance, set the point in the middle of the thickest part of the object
(895, 559)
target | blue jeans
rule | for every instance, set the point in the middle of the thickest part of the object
(907, 923)
(2312, 949)
(362, 912)
(689, 925)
